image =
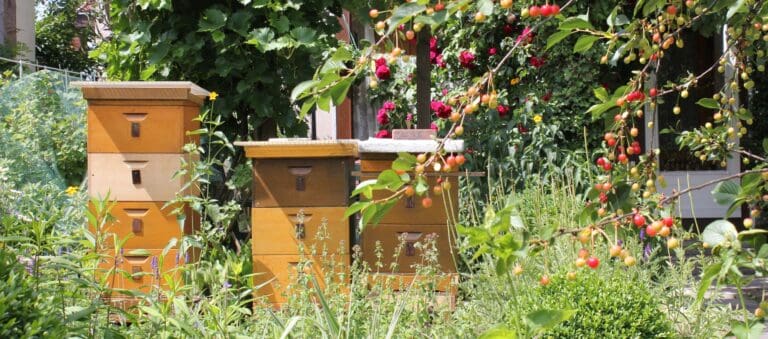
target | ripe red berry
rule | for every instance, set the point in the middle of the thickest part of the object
(653, 92)
(638, 220)
(607, 166)
(534, 11)
(603, 197)
(546, 10)
(555, 9)
(623, 158)
(544, 281)
(672, 10)
(600, 161)
(450, 161)
(611, 142)
(426, 202)
(593, 262)
(460, 159)
(439, 7)
(650, 231)
(668, 221)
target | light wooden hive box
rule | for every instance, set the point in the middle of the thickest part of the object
(300, 193)
(136, 131)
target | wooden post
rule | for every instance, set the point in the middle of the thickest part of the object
(423, 81)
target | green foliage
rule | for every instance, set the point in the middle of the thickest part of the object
(23, 310)
(237, 49)
(612, 307)
(54, 34)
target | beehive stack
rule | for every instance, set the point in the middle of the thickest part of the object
(409, 223)
(300, 193)
(136, 131)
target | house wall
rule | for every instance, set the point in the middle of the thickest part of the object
(17, 26)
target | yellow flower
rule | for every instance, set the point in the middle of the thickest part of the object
(537, 118)
(71, 190)
(213, 96)
(514, 81)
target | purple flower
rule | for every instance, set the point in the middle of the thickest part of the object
(155, 267)
(226, 285)
(647, 251)
(467, 59)
(619, 242)
(642, 234)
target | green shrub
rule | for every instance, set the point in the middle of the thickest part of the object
(21, 313)
(615, 307)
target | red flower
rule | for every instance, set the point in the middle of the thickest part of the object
(503, 111)
(537, 62)
(547, 96)
(441, 110)
(507, 29)
(382, 72)
(439, 61)
(388, 105)
(432, 43)
(522, 128)
(492, 51)
(382, 117)
(433, 126)
(466, 59)
(381, 62)
(383, 134)
(526, 37)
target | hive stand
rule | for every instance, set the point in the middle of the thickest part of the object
(409, 223)
(300, 193)
(136, 131)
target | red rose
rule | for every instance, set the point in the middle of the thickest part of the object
(382, 72)
(537, 62)
(381, 62)
(466, 59)
(441, 110)
(382, 117)
(503, 111)
(383, 134)
(492, 51)
(526, 37)
(547, 96)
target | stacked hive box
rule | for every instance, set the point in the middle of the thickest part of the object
(136, 131)
(409, 223)
(300, 193)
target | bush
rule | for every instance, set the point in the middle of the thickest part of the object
(615, 307)
(20, 312)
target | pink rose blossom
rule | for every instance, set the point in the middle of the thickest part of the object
(383, 134)
(382, 117)
(433, 126)
(382, 72)
(439, 61)
(381, 62)
(503, 111)
(441, 110)
(466, 59)
(526, 37)
(409, 117)
(492, 51)
(388, 105)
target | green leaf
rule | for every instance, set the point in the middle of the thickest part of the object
(575, 23)
(401, 164)
(708, 103)
(402, 13)
(718, 232)
(213, 19)
(298, 91)
(737, 7)
(366, 216)
(710, 273)
(547, 319)
(726, 192)
(555, 38)
(240, 22)
(304, 35)
(261, 38)
(601, 93)
(306, 106)
(765, 145)
(749, 233)
(652, 5)
(584, 43)
(741, 331)
(381, 211)
(500, 332)
(390, 180)
(366, 188)
(407, 157)
(485, 6)
(339, 91)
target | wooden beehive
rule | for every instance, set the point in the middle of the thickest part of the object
(407, 227)
(301, 191)
(136, 131)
